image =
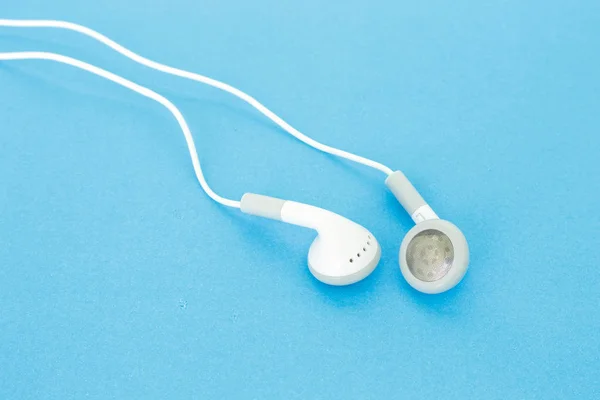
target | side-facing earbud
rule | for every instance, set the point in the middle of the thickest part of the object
(434, 255)
(343, 251)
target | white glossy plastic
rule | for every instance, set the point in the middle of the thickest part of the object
(423, 213)
(343, 252)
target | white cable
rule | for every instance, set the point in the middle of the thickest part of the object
(198, 78)
(35, 55)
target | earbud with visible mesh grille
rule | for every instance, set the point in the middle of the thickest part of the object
(434, 255)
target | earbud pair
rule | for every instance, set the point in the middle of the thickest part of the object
(434, 255)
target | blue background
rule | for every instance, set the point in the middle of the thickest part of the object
(120, 278)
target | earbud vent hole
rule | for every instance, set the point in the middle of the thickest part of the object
(364, 249)
(368, 243)
(351, 260)
(357, 254)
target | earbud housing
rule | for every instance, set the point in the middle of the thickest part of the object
(343, 252)
(434, 254)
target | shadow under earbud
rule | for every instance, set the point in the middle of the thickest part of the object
(451, 303)
(258, 232)
(350, 295)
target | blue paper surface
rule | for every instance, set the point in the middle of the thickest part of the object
(120, 278)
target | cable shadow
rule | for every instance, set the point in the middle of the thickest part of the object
(247, 114)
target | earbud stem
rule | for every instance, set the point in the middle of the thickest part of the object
(291, 212)
(262, 206)
(409, 197)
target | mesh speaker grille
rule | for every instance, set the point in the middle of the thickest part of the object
(430, 255)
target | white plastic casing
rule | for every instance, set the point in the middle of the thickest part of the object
(343, 252)
(460, 262)
(426, 219)
(423, 213)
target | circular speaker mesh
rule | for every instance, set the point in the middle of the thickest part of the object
(429, 255)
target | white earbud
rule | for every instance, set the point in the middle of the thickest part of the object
(434, 255)
(343, 251)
